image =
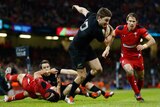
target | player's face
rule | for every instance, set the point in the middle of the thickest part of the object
(104, 21)
(131, 23)
(46, 66)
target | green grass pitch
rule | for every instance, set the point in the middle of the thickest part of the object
(122, 98)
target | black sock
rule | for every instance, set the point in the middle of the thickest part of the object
(95, 89)
(80, 93)
(87, 79)
(73, 89)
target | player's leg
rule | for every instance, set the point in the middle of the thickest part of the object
(81, 75)
(139, 67)
(94, 64)
(140, 79)
(78, 58)
(96, 68)
(96, 92)
(68, 88)
(18, 96)
(126, 64)
(140, 72)
(140, 83)
(10, 77)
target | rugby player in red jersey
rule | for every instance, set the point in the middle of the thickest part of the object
(131, 51)
(34, 88)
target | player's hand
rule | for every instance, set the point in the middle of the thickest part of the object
(74, 6)
(53, 71)
(106, 52)
(141, 47)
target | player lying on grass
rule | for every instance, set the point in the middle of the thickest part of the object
(34, 88)
(38, 88)
(49, 74)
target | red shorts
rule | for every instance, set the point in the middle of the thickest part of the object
(28, 85)
(26, 81)
(136, 63)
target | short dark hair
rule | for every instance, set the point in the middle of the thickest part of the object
(104, 12)
(42, 62)
(132, 15)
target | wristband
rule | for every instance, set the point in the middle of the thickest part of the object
(108, 48)
(145, 45)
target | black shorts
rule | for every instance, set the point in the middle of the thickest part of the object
(79, 57)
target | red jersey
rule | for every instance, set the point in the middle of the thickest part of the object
(130, 40)
(35, 87)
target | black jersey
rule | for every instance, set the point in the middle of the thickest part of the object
(88, 31)
(52, 79)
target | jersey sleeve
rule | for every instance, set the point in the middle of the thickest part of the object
(88, 14)
(118, 29)
(143, 32)
(100, 38)
(59, 70)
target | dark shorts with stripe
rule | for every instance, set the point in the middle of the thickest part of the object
(79, 57)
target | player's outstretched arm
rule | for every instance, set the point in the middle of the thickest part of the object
(59, 85)
(81, 10)
(108, 41)
(68, 71)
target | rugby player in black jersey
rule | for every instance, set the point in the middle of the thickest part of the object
(51, 75)
(96, 26)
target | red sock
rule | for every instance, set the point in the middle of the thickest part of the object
(19, 96)
(12, 77)
(140, 84)
(133, 84)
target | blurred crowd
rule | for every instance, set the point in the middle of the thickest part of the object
(54, 13)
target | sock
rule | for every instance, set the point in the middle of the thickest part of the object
(87, 79)
(12, 77)
(18, 96)
(80, 93)
(140, 83)
(73, 89)
(95, 89)
(133, 84)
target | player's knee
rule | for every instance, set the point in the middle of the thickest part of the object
(82, 77)
(129, 71)
(97, 71)
(69, 86)
(128, 68)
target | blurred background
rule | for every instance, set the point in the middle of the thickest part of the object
(33, 30)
